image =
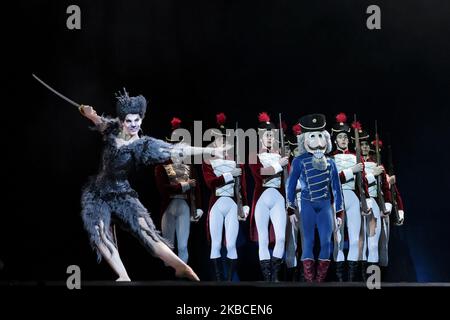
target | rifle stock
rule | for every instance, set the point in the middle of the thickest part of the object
(380, 195)
(283, 154)
(192, 207)
(237, 181)
(365, 211)
(394, 211)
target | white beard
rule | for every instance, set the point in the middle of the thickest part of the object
(319, 161)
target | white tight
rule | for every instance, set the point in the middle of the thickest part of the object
(353, 220)
(176, 221)
(223, 210)
(270, 205)
(372, 241)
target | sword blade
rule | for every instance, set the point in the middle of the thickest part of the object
(56, 92)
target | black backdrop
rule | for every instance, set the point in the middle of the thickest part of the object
(193, 59)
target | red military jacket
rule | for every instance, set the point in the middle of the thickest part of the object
(168, 188)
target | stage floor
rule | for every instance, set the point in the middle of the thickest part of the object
(246, 284)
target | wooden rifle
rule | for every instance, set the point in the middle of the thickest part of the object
(380, 196)
(283, 154)
(365, 211)
(395, 210)
(237, 180)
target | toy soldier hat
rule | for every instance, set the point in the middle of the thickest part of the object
(221, 129)
(264, 122)
(312, 122)
(130, 105)
(363, 135)
(340, 125)
(175, 124)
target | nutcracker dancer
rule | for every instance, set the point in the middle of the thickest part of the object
(381, 200)
(268, 217)
(109, 196)
(180, 198)
(348, 167)
(320, 191)
(221, 173)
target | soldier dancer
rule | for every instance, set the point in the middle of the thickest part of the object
(381, 203)
(320, 190)
(397, 215)
(269, 204)
(180, 198)
(348, 167)
(220, 175)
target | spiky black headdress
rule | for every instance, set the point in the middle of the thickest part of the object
(126, 105)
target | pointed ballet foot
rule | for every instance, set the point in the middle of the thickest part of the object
(188, 273)
(123, 279)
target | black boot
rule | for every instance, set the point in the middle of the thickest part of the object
(231, 266)
(340, 268)
(266, 270)
(364, 266)
(218, 269)
(276, 266)
(353, 271)
(291, 274)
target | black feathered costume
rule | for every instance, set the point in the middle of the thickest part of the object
(108, 195)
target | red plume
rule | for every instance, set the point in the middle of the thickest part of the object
(341, 117)
(263, 117)
(175, 122)
(380, 143)
(357, 125)
(221, 118)
(297, 129)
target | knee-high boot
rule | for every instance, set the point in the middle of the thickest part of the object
(218, 269)
(266, 270)
(276, 266)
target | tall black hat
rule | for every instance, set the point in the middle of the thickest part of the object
(175, 124)
(264, 122)
(312, 122)
(363, 135)
(130, 105)
(340, 125)
(221, 120)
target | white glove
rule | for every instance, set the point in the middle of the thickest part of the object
(246, 210)
(388, 206)
(357, 168)
(369, 203)
(338, 222)
(293, 219)
(378, 170)
(198, 215)
(401, 216)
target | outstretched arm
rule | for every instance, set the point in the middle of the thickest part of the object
(102, 124)
(91, 114)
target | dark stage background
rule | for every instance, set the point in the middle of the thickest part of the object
(193, 59)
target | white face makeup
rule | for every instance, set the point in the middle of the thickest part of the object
(268, 139)
(132, 124)
(316, 143)
(342, 141)
(365, 148)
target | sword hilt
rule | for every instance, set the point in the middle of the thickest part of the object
(81, 108)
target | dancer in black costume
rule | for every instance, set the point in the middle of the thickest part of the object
(108, 195)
